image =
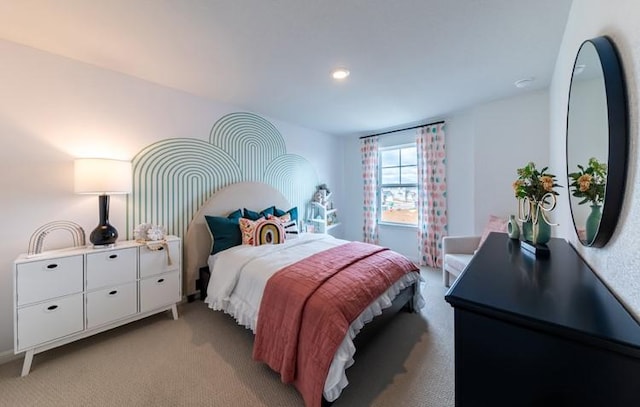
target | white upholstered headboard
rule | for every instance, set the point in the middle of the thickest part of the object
(254, 196)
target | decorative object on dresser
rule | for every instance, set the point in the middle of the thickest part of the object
(64, 295)
(102, 177)
(512, 228)
(536, 196)
(36, 241)
(540, 332)
(597, 135)
(145, 232)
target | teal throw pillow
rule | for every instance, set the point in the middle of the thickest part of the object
(237, 214)
(293, 212)
(251, 215)
(225, 233)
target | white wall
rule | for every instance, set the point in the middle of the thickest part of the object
(618, 263)
(508, 134)
(460, 147)
(485, 145)
(54, 109)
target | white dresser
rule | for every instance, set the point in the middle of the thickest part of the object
(64, 295)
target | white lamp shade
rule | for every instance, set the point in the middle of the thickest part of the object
(102, 176)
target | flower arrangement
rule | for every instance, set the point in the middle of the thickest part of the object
(536, 197)
(534, 184)
(588, 183)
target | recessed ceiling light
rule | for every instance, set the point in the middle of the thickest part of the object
(340, 73)
(523, 83)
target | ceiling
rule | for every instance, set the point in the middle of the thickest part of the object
(410, 60)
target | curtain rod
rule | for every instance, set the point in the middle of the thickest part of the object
(406, 128)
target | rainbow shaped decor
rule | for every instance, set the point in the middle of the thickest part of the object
(268, 232)
(173, 178)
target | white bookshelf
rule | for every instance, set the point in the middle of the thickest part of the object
(324, 217)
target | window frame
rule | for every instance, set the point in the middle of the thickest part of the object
(380, 185)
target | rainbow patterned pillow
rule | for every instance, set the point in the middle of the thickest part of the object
(247, 227)
(290, 226)
(268, 231)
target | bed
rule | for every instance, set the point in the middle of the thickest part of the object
(241, 279)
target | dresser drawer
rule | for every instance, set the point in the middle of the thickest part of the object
(45, 279)
(156, 261)
(110, 267)
(111, 304)
(163, 289)
(50, 320)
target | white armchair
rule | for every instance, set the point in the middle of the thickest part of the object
(457, 252)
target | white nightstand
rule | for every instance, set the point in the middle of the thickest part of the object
(64, 295)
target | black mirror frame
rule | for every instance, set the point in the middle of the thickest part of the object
(618, 124)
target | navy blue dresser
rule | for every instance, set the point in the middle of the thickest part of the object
(540, 332)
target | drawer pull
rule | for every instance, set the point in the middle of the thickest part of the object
(52, 266)
(113, 256)
(114, 292)
(160, 248)
(160, 281)
(51, 308)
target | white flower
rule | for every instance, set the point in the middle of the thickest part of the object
(148, 231)
(155, 232)
(140, 232)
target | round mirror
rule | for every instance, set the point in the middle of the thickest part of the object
(597, 140)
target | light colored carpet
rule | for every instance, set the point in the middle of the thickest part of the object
(204, 359)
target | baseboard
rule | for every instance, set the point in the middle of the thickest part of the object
(8, 356)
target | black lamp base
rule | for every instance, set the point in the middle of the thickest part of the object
(104, 235)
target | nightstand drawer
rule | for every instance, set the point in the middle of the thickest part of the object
(163, 289)
(111, 304)
(50, 320)
(156, 261)
(110, 267)
(44, 279)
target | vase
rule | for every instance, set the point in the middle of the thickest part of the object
(541, 232)
(527, 230)
(593, 222)
(512, 228)
(538, 232)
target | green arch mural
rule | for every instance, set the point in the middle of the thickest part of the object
(173, 178)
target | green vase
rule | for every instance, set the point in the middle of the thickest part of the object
(538, 233)
(593, 222)
(541, 232)
(527, 231)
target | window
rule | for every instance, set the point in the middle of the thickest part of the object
(399, 185)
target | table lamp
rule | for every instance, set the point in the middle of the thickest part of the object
(102, 177)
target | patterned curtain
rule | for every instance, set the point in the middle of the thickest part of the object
(432, 194)
(369, 151)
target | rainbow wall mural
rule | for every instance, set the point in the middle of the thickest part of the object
(173, 178)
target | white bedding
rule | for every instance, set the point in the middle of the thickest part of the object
(239, 276)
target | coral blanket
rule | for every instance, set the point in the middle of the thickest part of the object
(308, 306)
